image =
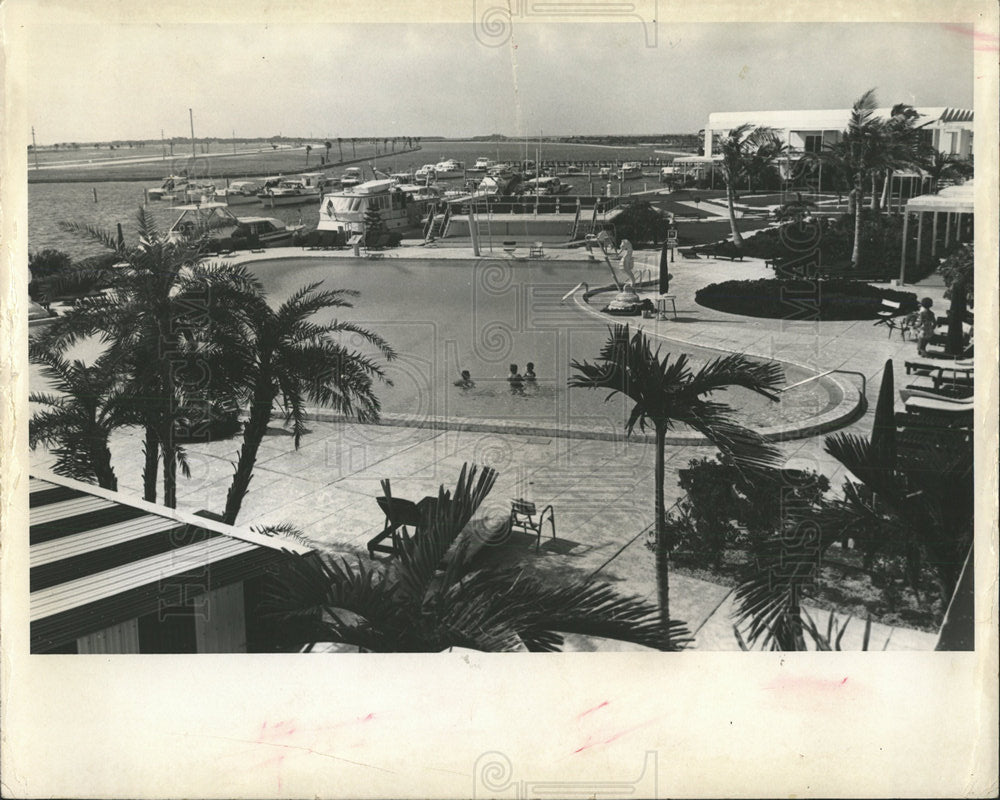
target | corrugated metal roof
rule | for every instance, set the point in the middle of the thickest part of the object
(98, 559)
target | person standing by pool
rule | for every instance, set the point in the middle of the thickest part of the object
(530, 380)
(515, 380)
(926, 322)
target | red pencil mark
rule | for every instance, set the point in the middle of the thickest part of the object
(595, 708)
(370, 717)
(789, 683)
(986, 42)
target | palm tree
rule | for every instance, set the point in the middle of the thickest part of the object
(667, 392)
(309, 148)
(90, 403)
(168, 319)
(354, 149)
(940, 166)
(903, 148)
(862, 150)
(746, 151)
(340, 149)
(291, 357)
(437, 596)
(328, 144)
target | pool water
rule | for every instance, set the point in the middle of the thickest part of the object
(446, 316)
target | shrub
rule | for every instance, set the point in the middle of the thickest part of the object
(724, 508)
(825, 300)
(640, 223)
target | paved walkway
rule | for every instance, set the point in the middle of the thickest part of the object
(602, 491)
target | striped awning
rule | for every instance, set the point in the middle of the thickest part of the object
(97, 559)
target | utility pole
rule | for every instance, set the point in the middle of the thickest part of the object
(194, 155)
(34, 146)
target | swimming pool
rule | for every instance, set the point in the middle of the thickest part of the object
(446, 316)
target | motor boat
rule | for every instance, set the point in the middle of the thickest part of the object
(546, 186)
(304, 188)
(426, 174)
(239, 193)
(352, 177)
(169, 189)
(214, 221)
(399, 206)
(630, 169)
(450, 168)
(482, 165)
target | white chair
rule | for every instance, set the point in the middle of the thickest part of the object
(661, 304)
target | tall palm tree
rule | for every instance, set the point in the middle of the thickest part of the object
(862, 150)
(309, 148)
(437, 595)
(667, 392)
(328, 144)
(340, 149)
(354, 149)
(168, 319)
(290, 356)
(903, 148)
(747, 151)
(90, 401)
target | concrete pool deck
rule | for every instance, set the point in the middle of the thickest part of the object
(602, 491)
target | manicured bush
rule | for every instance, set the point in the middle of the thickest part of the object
(822, 300)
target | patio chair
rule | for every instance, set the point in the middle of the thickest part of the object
(523, 515)
(536, 250)
(888, 315)
(399, 514)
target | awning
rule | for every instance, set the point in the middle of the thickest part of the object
(98, 559)
(960, 199)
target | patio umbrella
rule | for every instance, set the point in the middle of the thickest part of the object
(884, 424)
(664, 274)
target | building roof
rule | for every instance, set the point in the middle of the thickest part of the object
(98, 559)
(960, 198)
(824, 119)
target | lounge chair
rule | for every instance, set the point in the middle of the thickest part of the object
(956, 369)
(399, 514)
(536, 250)
(947, 411)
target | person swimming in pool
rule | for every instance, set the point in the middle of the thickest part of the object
(515, 380)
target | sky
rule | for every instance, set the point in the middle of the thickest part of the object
(97, 82)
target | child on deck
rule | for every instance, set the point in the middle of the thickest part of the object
(466, 382)
(529, 374)
(926, 322)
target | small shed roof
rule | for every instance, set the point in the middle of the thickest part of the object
(98, 559)
(953, 199)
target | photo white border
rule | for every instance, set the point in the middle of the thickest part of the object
(720, 724)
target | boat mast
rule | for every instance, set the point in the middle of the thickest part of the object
(194, 155)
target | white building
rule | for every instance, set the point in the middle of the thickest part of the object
(948, 129)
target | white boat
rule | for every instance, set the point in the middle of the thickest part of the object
(399, 206)
(482, 164)
(169, 189)
(450, 168)
(352, 177)
(630, 169)
(216, 222)
(546, 186)
(304, 188)
(239, 193)
(425, 174)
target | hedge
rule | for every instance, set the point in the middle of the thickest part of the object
(824, 300)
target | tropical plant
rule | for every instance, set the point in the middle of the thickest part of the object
(640, 222)
(958, 271)
(308, 151)
(941, 166)
(289, 356)
(340, 148)
(437, 595)
(747, 151)
(863, 150)
(667, 392)
(169, 320)
(90, 401)
(923, 512)
(903, 148)
(327, 144)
